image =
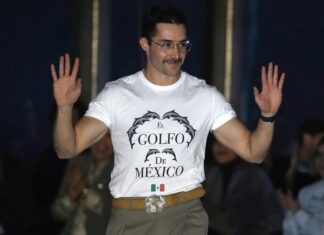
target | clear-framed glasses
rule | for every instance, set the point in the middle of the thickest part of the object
(168, 45)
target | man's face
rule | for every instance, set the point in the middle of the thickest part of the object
(165, 61)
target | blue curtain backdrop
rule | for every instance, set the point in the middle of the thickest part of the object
(35, 32)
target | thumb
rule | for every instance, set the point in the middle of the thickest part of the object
(256, 95)
(79, 83)
(255, 92)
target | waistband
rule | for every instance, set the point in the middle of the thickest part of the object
(170, 200)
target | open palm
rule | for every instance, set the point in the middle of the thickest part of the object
(66, 87)
(269, 99)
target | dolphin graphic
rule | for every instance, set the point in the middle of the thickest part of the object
(130, 133)
(191, 131)
(170, 114)
(170, 151)
(150, 152)
(140, 121)
(152, 115)
(182, 120)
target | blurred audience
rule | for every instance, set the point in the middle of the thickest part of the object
(14, 193)
(46, 180)
(84, 201)
(240, 199)
(302, 170)
(306, 216)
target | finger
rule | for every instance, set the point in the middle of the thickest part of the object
(67, 65)
(281, 81)
(61, 67)
(54, 75)
(275, 75)
(75, 68)
(270, 73)
(264, 77)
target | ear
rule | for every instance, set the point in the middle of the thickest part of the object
(144, 43)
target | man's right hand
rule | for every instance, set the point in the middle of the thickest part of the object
(70, 139)
(66, 87)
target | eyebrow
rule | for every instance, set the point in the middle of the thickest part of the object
(166, 40)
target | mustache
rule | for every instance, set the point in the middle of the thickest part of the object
(173, 61)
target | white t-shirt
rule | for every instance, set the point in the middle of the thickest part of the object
(158, 132)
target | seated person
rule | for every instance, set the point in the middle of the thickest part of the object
(240, 199)
(84, 201)
(306, 217)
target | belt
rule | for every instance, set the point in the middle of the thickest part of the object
(138, 203)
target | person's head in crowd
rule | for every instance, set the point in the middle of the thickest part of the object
(302, 170)
(319, 158)
(310, 132)
(103, 149)
(222, 154)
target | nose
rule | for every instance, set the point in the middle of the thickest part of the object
(175, 51)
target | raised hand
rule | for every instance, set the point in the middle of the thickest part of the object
(269, 99)
(66, 87)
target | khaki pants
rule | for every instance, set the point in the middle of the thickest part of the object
(187, 218)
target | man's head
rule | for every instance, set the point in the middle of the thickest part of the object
(164, 39)
(160, 14)
(310, 133)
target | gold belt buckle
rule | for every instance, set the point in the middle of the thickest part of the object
(154, 204)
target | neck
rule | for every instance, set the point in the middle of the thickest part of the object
(160, 78)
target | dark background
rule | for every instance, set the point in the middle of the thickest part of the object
(35, 33)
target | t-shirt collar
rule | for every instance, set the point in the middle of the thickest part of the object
(158, 87)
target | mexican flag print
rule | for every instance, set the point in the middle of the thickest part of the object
(157, 187)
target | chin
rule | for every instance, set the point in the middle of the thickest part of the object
(173, 73)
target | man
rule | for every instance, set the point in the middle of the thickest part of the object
(159, 119)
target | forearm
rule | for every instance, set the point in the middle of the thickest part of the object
(260, 141)
(64, 133)
(251, 146)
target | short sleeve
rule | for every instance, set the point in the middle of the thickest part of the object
(101, 107)
(222, 111)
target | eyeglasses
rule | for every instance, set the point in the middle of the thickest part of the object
(167, 46)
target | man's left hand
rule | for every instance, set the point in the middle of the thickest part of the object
(269, 99)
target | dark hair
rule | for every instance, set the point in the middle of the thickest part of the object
(160, 14)
(310, 126)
